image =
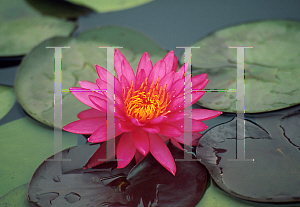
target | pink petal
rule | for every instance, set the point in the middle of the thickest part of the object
(103, 86)
(89, 85)
(102, 104)
(140, 78)
(119, 112)
(119, 101)
(99, 154)
(200, 85)
(83, 95)
(85, 126)
(158, 119)
(187, 82)
(169, 60)
(125, 84)
(108, 107)
(103, 73)
(151, 128)
(138, 156)
(175, 116)
(125, 150)
(171, 95)
(118, 59)
(100, 135)
(161, 153)
(178, 86)
(141, 140)
(90, 113)
(118, 86)
(181, 71)
(136, 122)
(196, 125)
(196, 96)
(199, 78)
(127, 71)
(176, 144)
(167, 80)
(126, 126)
(175, 64)
(187, 85)
(118, 93)
(176, 104)
(159, 70)
(145, 63)
(169, 130)
(204, 114)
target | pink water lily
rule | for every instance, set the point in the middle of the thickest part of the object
(148, 109)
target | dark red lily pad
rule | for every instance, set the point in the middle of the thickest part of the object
(272, 141)
(146, 184)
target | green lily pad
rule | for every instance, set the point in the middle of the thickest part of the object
(7, 99)
(270, 172)
(272, 67)
(16, 197)
(109, 6)
(58, 8)
(25, 144)
(22, 27)
(78, 63)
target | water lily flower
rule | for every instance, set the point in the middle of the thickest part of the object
(148, 109)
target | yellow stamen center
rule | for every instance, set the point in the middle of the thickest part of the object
(144, 104)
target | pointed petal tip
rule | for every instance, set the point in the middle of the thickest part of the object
(91, 140)
(171, 169)
(173, 172)
(170, 53)
(121, 164)
(143, 152)
(146, 54)
(205, 128)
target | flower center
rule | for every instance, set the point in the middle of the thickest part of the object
(144, 104)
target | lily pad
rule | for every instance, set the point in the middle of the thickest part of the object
(273, 176)
(145, 184)
(216, 197)
(109, 6)
(16, 197)
(291, 127)
(78, 63)
(272, 67)
(25, 143)
(58, 8)
(7, 99)
(22, 27)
